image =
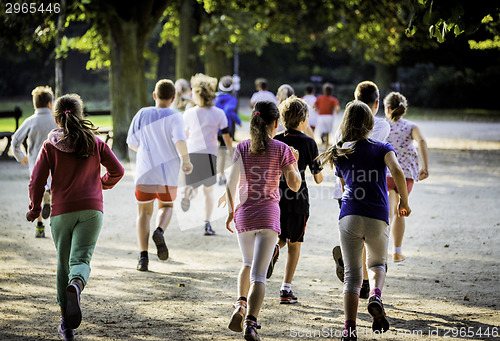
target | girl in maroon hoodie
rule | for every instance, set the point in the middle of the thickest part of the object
(73, 156)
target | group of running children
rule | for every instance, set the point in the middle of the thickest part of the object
(182, 132)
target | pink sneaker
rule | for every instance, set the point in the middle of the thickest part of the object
(240, 310)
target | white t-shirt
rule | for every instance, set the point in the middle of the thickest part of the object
(202, 126)
(313, 114)
(155, 131)
(262, 96)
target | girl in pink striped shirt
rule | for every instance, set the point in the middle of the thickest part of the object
(257, 168)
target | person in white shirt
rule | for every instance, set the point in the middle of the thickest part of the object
(262, 94)
(202, 124)
(157, 135)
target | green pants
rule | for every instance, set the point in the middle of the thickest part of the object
(75, 235)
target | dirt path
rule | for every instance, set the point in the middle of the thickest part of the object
(449, 284)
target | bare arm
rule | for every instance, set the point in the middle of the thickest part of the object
(229, 143)
(228, 196)
(400, 181)
(423, 151)
(318, 178)
(134, 148)
(181, 146)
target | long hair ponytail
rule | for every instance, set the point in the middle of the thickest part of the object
(264, 114)
(356, 125)
(68, 111)
(397, 103)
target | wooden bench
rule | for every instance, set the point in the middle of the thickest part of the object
(101, 131)
(16, 114)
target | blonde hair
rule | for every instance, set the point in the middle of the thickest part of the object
(264, 114)
(180, 102)
(293, 111)
(356, 125)
(397, 103)
(284, 91)
(205, 88)
(42, 96)
(68, 112)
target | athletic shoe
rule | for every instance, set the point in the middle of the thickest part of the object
(287, 297)
(143, 264)
(46, 205)
(73, 315)
(186, 201)
(222, 181)
(240, 310)
(339, 262)
(377, 311)
(251, 331)
(66, 333)
(398, 258)
(274, 259)
(349, 335)
(161, 247)
(40, 231)
(208, 229)
(365, 290)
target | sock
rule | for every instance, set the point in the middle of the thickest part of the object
(376, 291)
(350, 328)
(241, 298)
(398, 250)
(286, 286)
(159, 229)
(40, 224)
(350, 324)
(251, 318)
(144, 254)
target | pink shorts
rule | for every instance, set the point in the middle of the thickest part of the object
(392, 186)
(148, 193)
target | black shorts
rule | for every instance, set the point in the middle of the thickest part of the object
(293, 226)
(204, 170)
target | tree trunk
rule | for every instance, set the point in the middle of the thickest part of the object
(216, 63)
(127, 78)
(59, 62)
(187, 53)
(166, 62)
(383, 78)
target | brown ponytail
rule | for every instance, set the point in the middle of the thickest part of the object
(397, 103)
(264, 114)
(68, 111)
(356, 125)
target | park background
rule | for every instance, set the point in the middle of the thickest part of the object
(444, 56)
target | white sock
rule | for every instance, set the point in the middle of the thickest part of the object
(398, 250)
(286, 286)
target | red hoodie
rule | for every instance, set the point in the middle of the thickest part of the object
(76, 183)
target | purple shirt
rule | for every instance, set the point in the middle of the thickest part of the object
(259, 186)
(364, 173)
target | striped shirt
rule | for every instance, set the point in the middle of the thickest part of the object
(259, 186)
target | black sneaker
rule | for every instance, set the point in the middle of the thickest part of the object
(161, 247)
(73, 315)
(365, 290)
(40, 230)
(143, 264)
(274, 259)
(66, 333)
(377, 311)
(287, 297)
(208, 229)
(337, 257)
(349, 336)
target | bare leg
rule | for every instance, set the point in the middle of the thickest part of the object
(291, 261)
(209, 202)
(256, 297)
(397, 224)
(145, 212)
(244, 281)
(164, 216)
(222, 164)
(365, 270)
(377, 279)
(351, 306)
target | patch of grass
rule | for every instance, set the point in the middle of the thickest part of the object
(477, 115)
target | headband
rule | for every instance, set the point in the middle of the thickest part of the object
(257, 113)
(401, 104)
(67, 112)
(226, 89)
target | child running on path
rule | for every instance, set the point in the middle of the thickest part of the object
(257, 168)
(262, 94)
(36, 128)
(403, 133)
(310, 99)
(202, 124)
(364, 215)
(327, 106)
(73, 156)
(157, 134)
(294, 206)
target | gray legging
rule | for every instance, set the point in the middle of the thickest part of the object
(354, 231)
(257, 249)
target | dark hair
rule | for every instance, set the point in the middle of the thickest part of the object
(356, 125)
(328, 89)
(293, 110)
(397, 103)
(68, 112)
(165, 89)
(42, 96)
(310, 89)
(366, 92)
(261, 83)
(264, 114)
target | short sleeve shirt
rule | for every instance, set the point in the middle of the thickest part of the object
(364, 173)
(326, 104)
(258, 188)
(400, 138)
(298, 202)
(202, 127)
(263, 96)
